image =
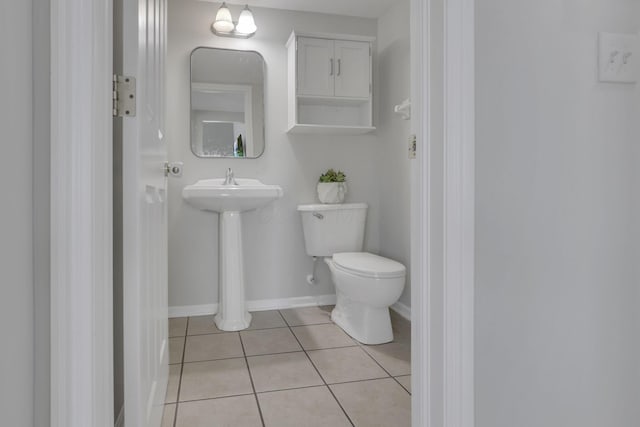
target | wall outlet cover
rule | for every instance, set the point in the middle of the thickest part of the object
(617, 58)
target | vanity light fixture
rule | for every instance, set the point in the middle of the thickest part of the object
(223, 22)
(225, 27)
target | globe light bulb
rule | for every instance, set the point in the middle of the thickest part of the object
(223, 22)
(246, 23)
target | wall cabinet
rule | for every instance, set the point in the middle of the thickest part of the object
(330, 84)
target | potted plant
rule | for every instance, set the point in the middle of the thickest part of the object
(332, 187)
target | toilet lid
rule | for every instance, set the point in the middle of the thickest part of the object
(369, 265)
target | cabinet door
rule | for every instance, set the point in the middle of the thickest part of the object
(353, 69)
(316, 67)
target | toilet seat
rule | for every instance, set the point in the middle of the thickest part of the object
(364, 264)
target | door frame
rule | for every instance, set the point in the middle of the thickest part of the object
(442, 211)
(81, 214)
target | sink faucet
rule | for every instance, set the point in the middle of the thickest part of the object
(230, 179)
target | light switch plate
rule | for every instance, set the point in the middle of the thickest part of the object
(617, 57)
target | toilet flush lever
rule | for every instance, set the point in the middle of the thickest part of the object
(318, 215)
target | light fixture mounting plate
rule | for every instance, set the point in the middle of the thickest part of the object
(233, 34)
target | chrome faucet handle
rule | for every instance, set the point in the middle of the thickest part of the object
(230, 179)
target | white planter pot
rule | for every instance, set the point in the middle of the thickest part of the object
(332, 192)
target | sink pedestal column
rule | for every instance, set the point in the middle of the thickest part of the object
(232, 313)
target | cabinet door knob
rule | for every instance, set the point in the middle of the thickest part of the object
(339, 66)
(331, 67)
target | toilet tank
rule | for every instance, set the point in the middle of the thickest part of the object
(333, 228)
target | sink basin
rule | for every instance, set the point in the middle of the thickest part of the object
(229, 201)
(213, 195)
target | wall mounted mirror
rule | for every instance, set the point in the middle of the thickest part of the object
(227, 103)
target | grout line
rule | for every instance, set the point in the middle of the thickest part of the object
(377, 363)
(278, 390)
(175, 415)
(208, 333)
(365, 346)
(211, 333)
(358, 381)
(214, 360)
(255, 393)
(322, 378)
(331, 348)
(406, 389)
(326, 383)
(263, 329)
(217, 398)
(266, 354)
(274, 354)
(232, 332)
(253, 387)
(303, 349)
(303, 324)
(286, 325)
(310, 324)
(382, 367)
(292, 388)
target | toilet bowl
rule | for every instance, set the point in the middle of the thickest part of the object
(366, 284)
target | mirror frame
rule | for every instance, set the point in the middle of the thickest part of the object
(253, 131)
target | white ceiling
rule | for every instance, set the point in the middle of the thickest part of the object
(362, 8)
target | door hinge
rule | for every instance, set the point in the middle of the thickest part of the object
(412, 146)
(124, 96)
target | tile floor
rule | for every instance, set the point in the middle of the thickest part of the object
(290, 368)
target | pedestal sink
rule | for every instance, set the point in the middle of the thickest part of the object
(229, 200)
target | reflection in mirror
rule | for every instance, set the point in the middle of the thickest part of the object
(227, 103)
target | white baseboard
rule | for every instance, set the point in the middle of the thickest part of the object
(402, 310)
(281, 303)
(120, 420)
(255, 305)
(275, 304)
(192, 310)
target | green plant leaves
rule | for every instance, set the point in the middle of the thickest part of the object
(333, 176)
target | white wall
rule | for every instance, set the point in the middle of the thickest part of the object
(275, 259)
(557, 289)
(393, 83)
(16, 247)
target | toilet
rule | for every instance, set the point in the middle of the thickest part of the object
(366, 284)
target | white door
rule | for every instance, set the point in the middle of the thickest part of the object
(353, 69)
(316, 66)
(144, 152)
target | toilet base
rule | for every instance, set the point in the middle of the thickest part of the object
(368, 325)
